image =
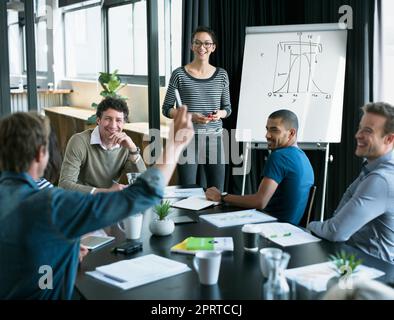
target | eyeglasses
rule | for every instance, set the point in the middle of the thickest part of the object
(206, 44)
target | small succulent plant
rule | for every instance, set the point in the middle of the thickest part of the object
(345, 262)
(163, 209)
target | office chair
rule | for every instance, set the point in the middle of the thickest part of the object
(308, 209)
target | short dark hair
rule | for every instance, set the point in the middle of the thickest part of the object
(117, 104)
(382, 109)
(21, 136)
(207, 30)
(288, 117)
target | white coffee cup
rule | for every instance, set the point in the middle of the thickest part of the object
(132, 226)
(268, 253)
(207, 265)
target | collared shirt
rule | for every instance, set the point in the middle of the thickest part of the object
(42, 228)
(365, 215)
(96, 139)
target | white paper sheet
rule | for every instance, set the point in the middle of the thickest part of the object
(171, 192)
(194, 203)
(286, 234)
(316, 276)
(127, 274)
(236, 218)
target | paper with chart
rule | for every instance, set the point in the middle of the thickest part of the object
(295, 67)
(316, 276)
(237, 218)
(285, 234)
(194, 203)
(127, 274)
(173, 192)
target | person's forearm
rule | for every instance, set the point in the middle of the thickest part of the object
(167, 161)
(69, 185)
(248, 201)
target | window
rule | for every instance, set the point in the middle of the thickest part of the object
(15, 44)
(388, 50)
(17, 38)
(127, 34)
(83, 43)
(41, 46)
(126, 27)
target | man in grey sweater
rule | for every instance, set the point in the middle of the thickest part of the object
(365, 215)
(94, 159)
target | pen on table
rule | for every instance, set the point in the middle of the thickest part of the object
(288, 234)
(178, 98)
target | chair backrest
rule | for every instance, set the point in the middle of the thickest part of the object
(308, 209)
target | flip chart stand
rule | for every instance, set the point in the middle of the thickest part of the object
(304, 146)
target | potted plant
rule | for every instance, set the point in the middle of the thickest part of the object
(111, 84)
(162, 225)
(345, 265)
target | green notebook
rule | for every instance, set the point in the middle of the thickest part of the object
(193, 244)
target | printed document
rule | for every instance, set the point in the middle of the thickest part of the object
(127, 274)
(285, 234)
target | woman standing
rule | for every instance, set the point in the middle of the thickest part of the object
(204, 89)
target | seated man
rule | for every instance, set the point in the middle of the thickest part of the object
(94, 159)
(40, 229)
(288, 174)
(365, 216)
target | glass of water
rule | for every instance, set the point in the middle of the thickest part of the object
(132, 176)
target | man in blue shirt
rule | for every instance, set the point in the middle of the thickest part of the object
(288, 174)
(365, 216)
(40, 229)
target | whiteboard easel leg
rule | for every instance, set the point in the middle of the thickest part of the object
(246, 156)
(323, 202)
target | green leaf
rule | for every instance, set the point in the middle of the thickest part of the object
(91, 119)
(163, 210)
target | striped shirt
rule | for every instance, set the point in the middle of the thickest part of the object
(200, 95)
(43, 184)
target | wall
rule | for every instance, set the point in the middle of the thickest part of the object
(86, 92)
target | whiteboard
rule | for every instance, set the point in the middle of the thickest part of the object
(297, 67)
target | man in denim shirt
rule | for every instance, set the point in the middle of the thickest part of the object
(365, 215)
(40, 230)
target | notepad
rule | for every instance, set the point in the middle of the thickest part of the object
(285, 234)
(194, 203)
(127, 274)
(237, 218)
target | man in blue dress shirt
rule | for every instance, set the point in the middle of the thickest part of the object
(288, 174)
(365, 216)
(40, 229)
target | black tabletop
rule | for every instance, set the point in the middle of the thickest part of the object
(240, 276)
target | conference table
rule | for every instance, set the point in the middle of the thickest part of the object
(240, 276)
